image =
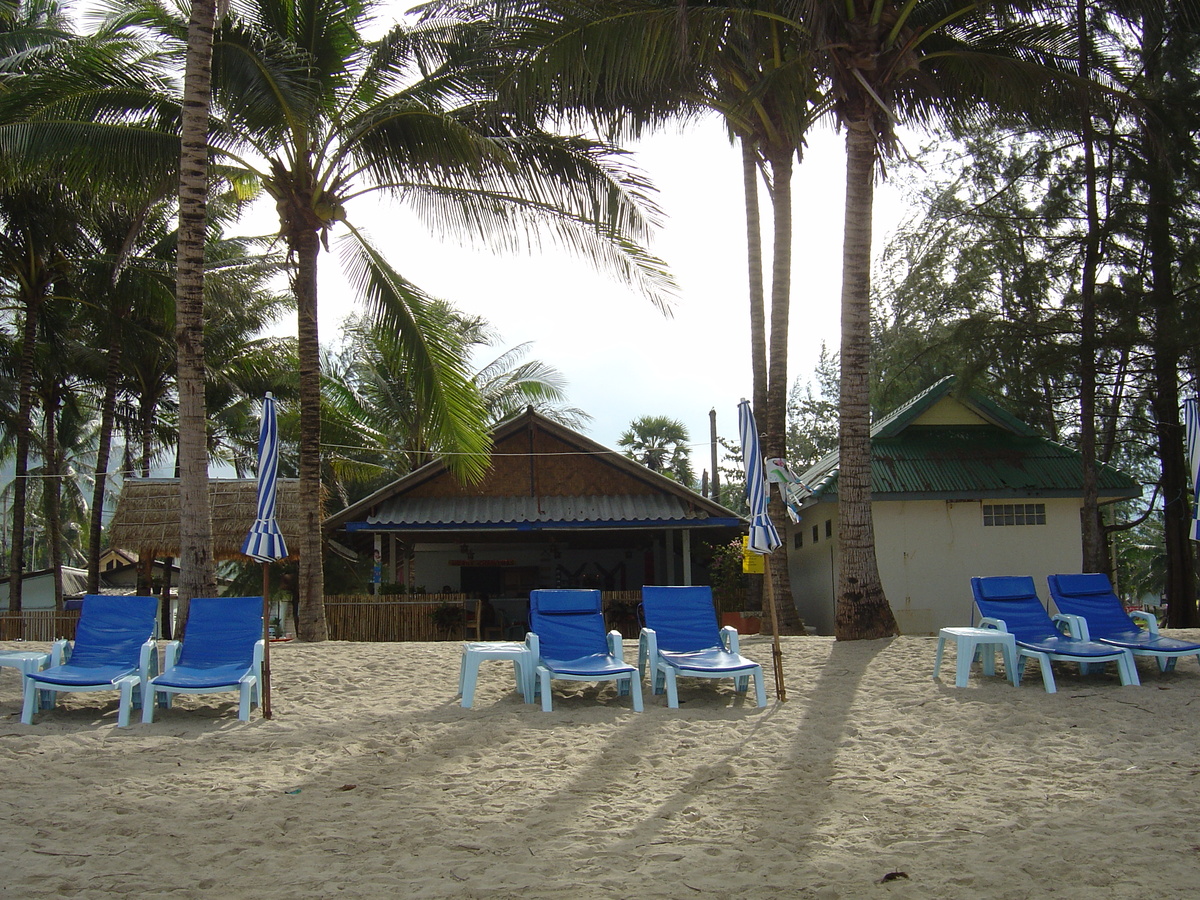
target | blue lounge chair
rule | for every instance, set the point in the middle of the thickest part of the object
(1103, 618)
(1010, 603)
(681, 638)
(113, 649)
(567, 640)
(222, 650)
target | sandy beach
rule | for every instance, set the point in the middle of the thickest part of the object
(372, 781)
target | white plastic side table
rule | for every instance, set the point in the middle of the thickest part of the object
(970, 641)
(475, 652)
(28, 662)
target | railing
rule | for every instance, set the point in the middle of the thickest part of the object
(39, 625)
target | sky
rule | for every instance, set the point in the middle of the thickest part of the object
(620, 356)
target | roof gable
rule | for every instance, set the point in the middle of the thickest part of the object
(540, 472)
(943, 444)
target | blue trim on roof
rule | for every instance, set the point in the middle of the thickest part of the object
(542, 526)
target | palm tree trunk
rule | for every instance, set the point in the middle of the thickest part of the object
(197, 576)
(311, 626)
(777, 388)
(862, 612)
(754, 258)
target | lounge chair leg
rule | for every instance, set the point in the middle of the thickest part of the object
(30, 701)
(635, 689)
(148, 707)
(672, 690)
(547, 702)
(1128, 669)
(1047, 674)
(760, 688)
(126, 687)
(244, 700)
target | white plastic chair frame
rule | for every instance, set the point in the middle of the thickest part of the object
(663, 674)
(1147, 621)
(628, 683)
(1075, 626)
(127, 685)
(248, 686)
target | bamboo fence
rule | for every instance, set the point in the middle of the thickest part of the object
(362, 617)
(39, 625)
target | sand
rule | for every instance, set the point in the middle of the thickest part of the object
(372, 781)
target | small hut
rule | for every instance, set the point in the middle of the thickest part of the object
(147, 515)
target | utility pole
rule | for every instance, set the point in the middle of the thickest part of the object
(712, 437)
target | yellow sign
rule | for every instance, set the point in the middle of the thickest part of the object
(752, 563)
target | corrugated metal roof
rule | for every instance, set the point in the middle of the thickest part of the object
(434, 512)
(972, 461)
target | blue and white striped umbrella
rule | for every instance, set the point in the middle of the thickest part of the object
(265, 542)
(764, 538)
(1191, 421)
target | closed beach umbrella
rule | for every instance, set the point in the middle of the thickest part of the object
(764, 537)
(265, 541)
(1191, 421)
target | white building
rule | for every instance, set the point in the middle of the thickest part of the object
(959, 488)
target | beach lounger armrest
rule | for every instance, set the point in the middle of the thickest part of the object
(647, 649)
(615, 647)
(1075, 626)
(171, 655)
(148, 659)
(1147, 620)
(729, 637)
(998, 624)
(60, 652)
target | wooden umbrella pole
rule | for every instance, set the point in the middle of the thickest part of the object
(776, 651)
(265, 687)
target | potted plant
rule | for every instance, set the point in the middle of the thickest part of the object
(448, 619)
(729, 586)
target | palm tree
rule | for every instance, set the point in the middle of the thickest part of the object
(370, 415)
(321, 116)
(60, 87)
(634, 65)
(197, 572)
(660, 443)
(891, 61)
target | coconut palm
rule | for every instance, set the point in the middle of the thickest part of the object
(321, 116)
(920, 62)
(371, 419)
(636, 65)
(60, 90)
(197, 573)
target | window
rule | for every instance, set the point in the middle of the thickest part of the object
(815, 533)
(1014, 514)
(829, 528)
(798, 538)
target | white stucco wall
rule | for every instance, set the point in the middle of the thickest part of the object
(927, 551)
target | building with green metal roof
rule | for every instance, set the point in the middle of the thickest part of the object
(960, 487)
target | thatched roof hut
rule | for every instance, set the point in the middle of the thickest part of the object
(147, 516)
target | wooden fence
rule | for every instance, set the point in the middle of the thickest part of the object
(39, 625)
(362, 617)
